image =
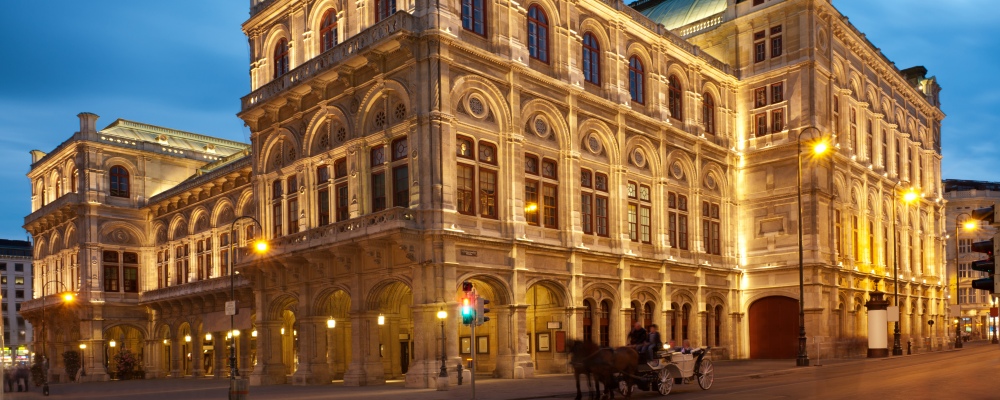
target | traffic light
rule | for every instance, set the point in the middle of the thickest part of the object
(986, 214)
(467, 303)
(481, 310)
(988, 265)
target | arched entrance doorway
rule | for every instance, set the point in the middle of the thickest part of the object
(394, 324)
(124, 355)
(546, 305)
(336, 307)
(774, 325)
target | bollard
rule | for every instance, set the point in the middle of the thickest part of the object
(239, 389)
(909, 345)
(460, 373)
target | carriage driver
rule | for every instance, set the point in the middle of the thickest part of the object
(653, 343)
(637, 336)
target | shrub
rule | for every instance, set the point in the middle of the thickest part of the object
(72, 361)
(125, 363)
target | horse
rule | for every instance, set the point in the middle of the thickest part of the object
(587, 358)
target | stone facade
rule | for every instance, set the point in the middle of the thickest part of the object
(397, 154)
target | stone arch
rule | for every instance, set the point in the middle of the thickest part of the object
(279, 304)
(375, 98)
(551, 9)
(222, 212)
(137, 237)
(385, 291)
(604, 133)
(686, 164)
(677, 69)
(199, 215)
(271, 38)
(558, 289)
(54, 243)
(321, 303)
(555, 118)
(714, 170)
(315, 21)
(41, 247)
(244, 203)
(275, 146)
(159, 231)
(493, 96)
(645, 293)
(652, 155)
(640, 50)
(502, 293)
(324, 120)
(70, 236)
(177, 228)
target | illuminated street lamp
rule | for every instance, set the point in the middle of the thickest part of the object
(66, 297)
(819, 146)
(443, 377)
(908, 197)
(260, 247)
(968, 225)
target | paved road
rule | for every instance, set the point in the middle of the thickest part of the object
(970, 373)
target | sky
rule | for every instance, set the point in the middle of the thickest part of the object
(184, 64)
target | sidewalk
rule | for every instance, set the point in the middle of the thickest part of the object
(560, 386)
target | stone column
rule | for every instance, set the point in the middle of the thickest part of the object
(221, 355)
(243, 350)
(312, 367)
(197, 355)
(426, 365)
(269, 369)
(175, 358)
(366, 366)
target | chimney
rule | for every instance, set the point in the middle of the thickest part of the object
(88, 122)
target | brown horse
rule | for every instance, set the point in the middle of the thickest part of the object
(600, 363)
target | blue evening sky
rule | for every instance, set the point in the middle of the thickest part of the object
(183, 64)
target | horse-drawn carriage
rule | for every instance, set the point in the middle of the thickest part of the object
(621, 368)
(673, 367)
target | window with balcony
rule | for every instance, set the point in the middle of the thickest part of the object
(341, 190)
(328, 30)
(400, 173)
(281, 64)
(377, 165)
(292, 204)
(384, 9)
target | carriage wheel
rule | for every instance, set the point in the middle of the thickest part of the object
(666, 382)
(706, 374)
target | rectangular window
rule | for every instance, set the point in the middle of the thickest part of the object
(838, 241)
(18, 280)
(340, 168)
(964, 246)
(378, 191)
(18, 267)
(677, 220)
(3, 280)
(633, 222)
(645, 226)
(531, 202)
(130, 271)
(323, 200)
(777, 120)
(775, 46)
(322, 174)
(885, 149)
(400, 186)
(777, 92)
(587, 212)
(711, 227)
(487, 193)
(19, 294)
(278, 219)
(110, 260)
(465, 189)
(857, 239)
(761, 124)
(343, 213)
(293, 215)
(760, 97)
(899, 170)
(870, 145)
(551, 204)
(601, 212)
(759, 51)
(757, 3)
(871, 242)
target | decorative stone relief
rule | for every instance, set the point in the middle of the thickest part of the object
(639, 158)
(594, 143)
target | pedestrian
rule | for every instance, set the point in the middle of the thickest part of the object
(653, 344)
(8, 378)
(637, 336)
(23, 375)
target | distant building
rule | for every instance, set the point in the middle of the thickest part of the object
(964, 197)
(15, 280)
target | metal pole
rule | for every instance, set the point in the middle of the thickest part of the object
(444, 357)
(233, 371)
(45, 372)
(897, 349)
(958, 298)
(802, 360)
(472, 326)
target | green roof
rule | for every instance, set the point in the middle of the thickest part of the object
(674, 14)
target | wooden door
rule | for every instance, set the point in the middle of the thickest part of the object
(774, 327)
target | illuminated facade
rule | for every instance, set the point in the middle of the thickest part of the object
(964, 197)
(581, 164)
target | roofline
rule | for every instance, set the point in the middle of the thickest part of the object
(125, 123)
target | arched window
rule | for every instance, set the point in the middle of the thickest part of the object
(591, 59)
(718, 325)
(675, 99)
(474, 16)
(708, 113)
(281, 58)
(605, 340)
(685, 320)
(328, 30)
(384, 9)
(588, 322)
(538, 34)
(636, 80)
(647, 314)
(119, 181)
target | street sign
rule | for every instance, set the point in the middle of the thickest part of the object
(231, 307)
(893, 313)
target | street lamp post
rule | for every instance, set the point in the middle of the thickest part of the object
(909, 197)
(443, 376)
(259, 246)
(969, 225)
(66, 297)
(83, 363)
(802, 360)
